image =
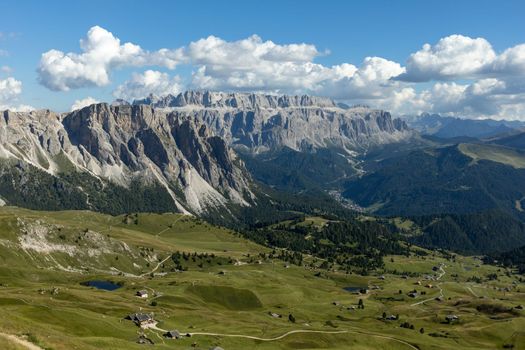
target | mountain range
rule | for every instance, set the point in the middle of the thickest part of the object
(175, 153)
(251, 158)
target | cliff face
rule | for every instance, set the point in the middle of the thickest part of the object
(171, 153)
(256, 123)
(123, 144)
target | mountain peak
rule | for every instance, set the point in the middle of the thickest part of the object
(209, 99)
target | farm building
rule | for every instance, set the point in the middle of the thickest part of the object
(141, 319)
(142, 293)
(172, 334)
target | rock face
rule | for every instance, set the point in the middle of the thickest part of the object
(124, 144)
(170, 153)
(256, 123)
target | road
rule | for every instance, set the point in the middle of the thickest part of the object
(156, 267)
(295, 332)
(443, 272)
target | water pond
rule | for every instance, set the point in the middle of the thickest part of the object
(100, 284)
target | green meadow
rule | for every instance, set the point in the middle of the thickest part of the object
(221, 289)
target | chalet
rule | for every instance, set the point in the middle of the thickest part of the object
(172, 334)
(142, 293)
(418, 283)
(451, 318)
(413, 294)
(429, 286)
(275, 315)
(382, 277)
(440, 298)
(391, 318)
(141, 320)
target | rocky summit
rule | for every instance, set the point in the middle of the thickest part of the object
(258, 122)
(171, 153)
(124, 145)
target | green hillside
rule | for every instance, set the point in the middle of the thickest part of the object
(229, 292)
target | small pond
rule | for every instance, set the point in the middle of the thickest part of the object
(100, 284)
(354, 289)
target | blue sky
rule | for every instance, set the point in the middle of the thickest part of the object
(342, 32)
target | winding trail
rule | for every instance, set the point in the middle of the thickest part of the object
(348, 331)
(443, 272)
(25, 343)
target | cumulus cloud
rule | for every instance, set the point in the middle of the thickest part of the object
(101, 52)
(10, 89)
(78, 104)
(149, 82)
(254, 64)
(468, 77)
(452, 57)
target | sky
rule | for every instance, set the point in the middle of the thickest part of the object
(463, 58)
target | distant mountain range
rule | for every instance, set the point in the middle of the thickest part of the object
(256, 123)
(453, 127)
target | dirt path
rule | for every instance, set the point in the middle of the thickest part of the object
(26, 344)
(156, 267)
(443, 272)
(306, 331)
(473, 293)
(169, 228)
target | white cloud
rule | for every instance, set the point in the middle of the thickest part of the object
(10, 89)
(452, 57)
(511, 61)
(254, 64)
(101, 53)
(470, 77)
(150, 82)
(372, 80)
(79, 104)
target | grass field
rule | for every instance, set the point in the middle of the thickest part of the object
(494, 153)
(45, 256)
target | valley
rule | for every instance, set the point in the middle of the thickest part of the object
(226, 291)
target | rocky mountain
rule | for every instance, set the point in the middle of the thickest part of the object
(116, 159)
(256, 123)
(182, 153)
(453, 127)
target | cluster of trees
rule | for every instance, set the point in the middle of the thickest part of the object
(484, 232)
(350, 244)
(512, 258)
(27, 186)
(183, 260)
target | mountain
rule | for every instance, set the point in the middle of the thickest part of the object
(117, 159)
(451, 127)
(256, 123)
(461, 179)
(515, 140)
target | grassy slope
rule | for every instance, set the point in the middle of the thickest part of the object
(498, 154)
(236, 302)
